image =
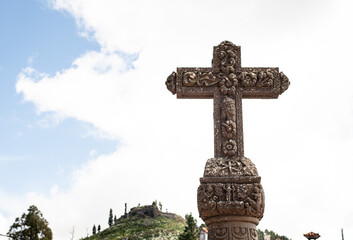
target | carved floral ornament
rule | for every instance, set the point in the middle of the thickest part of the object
(229, 148)
(199, 79)
(229, 82)
(227, 58)
(248, 79)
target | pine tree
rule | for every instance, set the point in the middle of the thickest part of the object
(115, 220)
(31, 226)
(99, 228)
(160, 206)
(191, 232)
(125, 213)
(110, 219)
(94, 231)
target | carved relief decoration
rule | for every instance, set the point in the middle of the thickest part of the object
(229, 148)
(253, 234)
(228, 109)
(229, 167)
(171, 83)
(236, 233)
(252, 79)
(228, 129)
(240, 233)
(226, 58)
(248, 79)
(199, 78)
(228, 84)
(228, 126)
(242, 199)
(220, 233)
(265, 78)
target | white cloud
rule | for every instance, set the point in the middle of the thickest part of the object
(301, 143)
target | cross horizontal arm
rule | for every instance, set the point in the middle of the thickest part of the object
(203, 82)
(262, 82)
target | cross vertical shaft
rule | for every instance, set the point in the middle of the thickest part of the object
(228, 129)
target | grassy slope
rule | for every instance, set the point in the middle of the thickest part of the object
(136, 228)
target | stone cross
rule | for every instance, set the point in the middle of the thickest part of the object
(230, 197)
(227, 83)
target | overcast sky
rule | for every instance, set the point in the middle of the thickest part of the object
(87, 124)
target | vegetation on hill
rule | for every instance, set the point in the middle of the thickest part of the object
(136, 228)
(149, 222)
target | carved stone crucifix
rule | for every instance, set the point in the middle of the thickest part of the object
(227, 83)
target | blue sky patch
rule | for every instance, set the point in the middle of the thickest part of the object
(34, 157)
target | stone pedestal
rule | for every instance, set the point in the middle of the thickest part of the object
(231, 199)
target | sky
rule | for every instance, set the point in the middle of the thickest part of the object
(87, 124)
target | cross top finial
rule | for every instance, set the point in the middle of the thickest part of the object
(227, 83)
(226, 57)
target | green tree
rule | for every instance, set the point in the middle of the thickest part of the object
(125, 213)
(115, 220)
(160, 206)
(99, 228)
(260, 235)
(191, 232)
(94, 231)
(110, 219)
(31, 226)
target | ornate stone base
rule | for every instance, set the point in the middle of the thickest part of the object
(231, 199)
(232, 228)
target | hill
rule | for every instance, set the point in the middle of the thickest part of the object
(145, 222)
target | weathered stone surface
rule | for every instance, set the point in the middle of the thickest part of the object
(230, 197)
(230, 167)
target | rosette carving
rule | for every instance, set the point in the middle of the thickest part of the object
(228, 84)
(171, 83)
(229, 148)
(248, 79)
(199, 79)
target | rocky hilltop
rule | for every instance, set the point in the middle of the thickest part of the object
(143, 222)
